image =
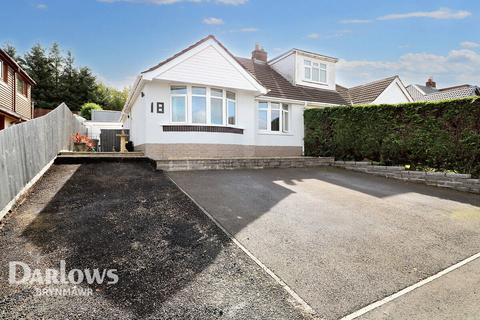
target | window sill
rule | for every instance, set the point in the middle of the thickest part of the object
(176, 127)
(22, 96)
(200, 124)
(315, 82)
(273, 133)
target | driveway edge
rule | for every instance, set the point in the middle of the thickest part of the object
(299, 303)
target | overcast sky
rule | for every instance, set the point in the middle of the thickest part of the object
(372, 39)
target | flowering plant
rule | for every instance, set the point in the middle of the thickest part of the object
(82, 139)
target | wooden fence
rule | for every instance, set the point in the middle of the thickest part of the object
(26, 148)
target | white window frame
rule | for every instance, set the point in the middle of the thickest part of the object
(1, 71)
(206, 103)
(209, 106)
(285, 114)
(185, 96)
(269, 117)
(226, 108)
(189, 105)
(310, 65)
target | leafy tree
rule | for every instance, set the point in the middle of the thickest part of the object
(60, 80)
(111, 98)
(38, 65)
(11, 51)
(56, 60)
(86, 110)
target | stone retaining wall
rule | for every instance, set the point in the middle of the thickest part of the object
(457, 181)
(242, 163)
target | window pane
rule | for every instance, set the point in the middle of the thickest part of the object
(307, 73)
(275, 106)
(315, 65)
(263, 105)
(275, 121)
(307, 63)
(178, 90)
(199, 109)
(217, 111)
(262, 119)
(285, 118)
(230, 95)
(323, 66)
(20, 86)
(178, 109)
(231, 106)
(199, 91)
(315, 74)
(217, 93)
(323, 76)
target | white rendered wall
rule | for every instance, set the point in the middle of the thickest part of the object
(330, 84)
(286, 67)
(146, 126)
(393, 94)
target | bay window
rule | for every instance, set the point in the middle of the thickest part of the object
(273, 117)
(179, 103)
(203, 105)
(315, 71)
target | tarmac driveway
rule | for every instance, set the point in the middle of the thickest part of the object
(342, 239)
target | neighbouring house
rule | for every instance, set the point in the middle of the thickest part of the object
(384, 91)
(430, 92)
(204, 102)
(15, 92)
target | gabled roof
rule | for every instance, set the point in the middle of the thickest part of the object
(15, 66)
(367, 93)
(279, 87)
(163, 66)
(433, 94)
(455, 93)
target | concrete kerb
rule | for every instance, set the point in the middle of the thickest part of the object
(297, 301)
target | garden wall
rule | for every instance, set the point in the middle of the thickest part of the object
(26, 148)
(440, 135)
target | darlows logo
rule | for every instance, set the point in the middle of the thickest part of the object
(21, 273)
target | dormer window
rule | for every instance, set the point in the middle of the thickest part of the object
(315, 71)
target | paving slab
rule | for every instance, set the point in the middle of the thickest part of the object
(341, 239)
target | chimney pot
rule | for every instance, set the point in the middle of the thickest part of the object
(259, 54)
(430, 83)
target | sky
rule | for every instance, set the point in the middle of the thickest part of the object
(373, 39)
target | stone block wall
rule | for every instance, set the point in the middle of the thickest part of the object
(457, 181)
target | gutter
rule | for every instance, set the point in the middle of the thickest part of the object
(127, 107)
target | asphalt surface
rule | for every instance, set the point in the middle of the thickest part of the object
(171, 260)
(456, 295)
(341, 239)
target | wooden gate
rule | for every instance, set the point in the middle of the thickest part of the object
(109, 139)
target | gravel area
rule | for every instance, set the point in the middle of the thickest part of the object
(172, 261)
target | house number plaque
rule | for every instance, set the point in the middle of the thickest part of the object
(160, 107)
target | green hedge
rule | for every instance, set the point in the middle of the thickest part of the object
(441, 135)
